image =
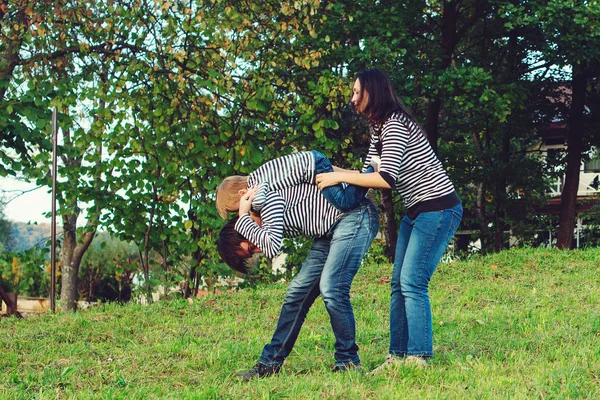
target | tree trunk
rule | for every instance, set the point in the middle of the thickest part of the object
(389, 221)
(71, 255)
(448, 43)
(486, 236)
(501, 197)
(568, 198)
(191, 287)
(451, 36)
(433, 118)
(11, 307)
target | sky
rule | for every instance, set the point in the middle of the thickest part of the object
(28, 207)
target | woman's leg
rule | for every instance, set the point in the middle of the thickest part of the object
(398, 330)
(421, 245)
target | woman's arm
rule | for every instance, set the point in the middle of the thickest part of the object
(371, 180)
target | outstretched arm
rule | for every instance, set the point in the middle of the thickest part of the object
(371, 180)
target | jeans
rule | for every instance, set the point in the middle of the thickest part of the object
(328, 270)
(344, 197)
(421, 245)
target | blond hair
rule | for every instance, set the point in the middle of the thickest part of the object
(228, 196)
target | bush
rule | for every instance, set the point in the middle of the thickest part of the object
(26, 272)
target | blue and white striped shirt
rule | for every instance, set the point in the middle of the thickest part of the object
(408, 161)
(292, 206)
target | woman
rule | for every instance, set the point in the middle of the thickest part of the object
(433, 214)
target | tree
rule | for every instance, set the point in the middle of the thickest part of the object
(571, 36)
(457, 19)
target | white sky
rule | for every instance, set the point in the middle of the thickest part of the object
(28, 207)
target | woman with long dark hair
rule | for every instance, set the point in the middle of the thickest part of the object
(434, 210)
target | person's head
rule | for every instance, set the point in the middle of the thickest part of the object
(229, 193)
(373, 96)
(235, 250)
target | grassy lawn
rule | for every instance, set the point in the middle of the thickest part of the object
(514, 325)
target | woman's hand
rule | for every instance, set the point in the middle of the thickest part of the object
(327, 179)
(246, 201)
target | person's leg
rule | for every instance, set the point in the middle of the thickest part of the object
(322, 163)
(351, 238)
(300, 295)
(421, 245)
(398, 332)
(344, 197)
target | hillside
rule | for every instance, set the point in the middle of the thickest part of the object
(24, 236)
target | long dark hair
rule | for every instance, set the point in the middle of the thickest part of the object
(383, 100)
(228, 245)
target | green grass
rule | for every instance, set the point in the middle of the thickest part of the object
(514, 325)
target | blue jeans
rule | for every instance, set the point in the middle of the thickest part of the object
(421, 245)
(344, 197)
(328, 270)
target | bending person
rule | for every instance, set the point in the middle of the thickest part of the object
(340, 243)
(285, 172)
(434, 209)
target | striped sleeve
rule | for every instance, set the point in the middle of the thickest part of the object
(260, 197)
(395, 136)
(268, 237)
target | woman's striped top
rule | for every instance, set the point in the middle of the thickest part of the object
(408, 162)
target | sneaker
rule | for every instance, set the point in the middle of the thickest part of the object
(415, 361)
(347, 368)
(391, 361)
(259, 371)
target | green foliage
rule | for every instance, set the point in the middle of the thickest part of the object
(26, 272)
(107, 270)
(159, 101)
(591, 225)
(376, 254)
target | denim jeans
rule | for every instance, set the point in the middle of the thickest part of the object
(421, 245)
(344, 197)
(328, 270)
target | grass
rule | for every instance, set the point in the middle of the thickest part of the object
(520, 324)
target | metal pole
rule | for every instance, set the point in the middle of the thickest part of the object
(578, 230)
(53, 224)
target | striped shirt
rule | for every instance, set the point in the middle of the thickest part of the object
(281, 173)
(408, 161)
(292, 206)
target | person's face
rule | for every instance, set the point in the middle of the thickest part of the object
(248, 248)
(359, 101)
